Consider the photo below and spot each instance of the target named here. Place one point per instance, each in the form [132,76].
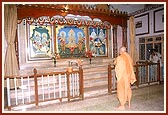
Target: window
[146,44]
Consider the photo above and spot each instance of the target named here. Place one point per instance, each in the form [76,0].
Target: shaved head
[122,49]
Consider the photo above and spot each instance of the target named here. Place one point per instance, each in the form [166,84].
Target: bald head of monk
[122,49]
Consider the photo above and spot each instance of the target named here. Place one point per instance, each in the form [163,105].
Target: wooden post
[68,85]
[81,82]
[36,86]
[109,79]
[124,37]
[9,108]
[158,70]
[87,40]
[8,94]
[147,75]
[137,82]
[115,45]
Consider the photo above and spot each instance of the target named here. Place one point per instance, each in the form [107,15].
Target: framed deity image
[142,24]
[98,41]
[39,42]
[71,41]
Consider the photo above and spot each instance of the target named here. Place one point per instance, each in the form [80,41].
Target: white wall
[158,25]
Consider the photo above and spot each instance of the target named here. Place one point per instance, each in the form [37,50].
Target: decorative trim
[147,32]
[156,31]
[145,9]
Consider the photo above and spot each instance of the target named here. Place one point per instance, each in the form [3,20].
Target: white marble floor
[145,99]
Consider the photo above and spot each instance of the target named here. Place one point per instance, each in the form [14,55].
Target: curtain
[133,53]
[10,26]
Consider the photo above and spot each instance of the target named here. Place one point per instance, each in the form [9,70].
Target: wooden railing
[146,73]
[45,87]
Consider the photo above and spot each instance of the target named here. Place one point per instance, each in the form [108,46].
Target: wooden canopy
[101,11]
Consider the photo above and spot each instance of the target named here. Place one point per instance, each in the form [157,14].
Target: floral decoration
[55,56]
[89,54]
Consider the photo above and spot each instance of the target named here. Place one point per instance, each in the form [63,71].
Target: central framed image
[71,41]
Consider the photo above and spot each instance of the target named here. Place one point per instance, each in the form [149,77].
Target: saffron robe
[125,77]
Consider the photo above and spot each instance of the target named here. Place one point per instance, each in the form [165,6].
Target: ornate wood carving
[101,11]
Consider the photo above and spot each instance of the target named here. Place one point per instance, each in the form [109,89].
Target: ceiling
[124,7]
[129,8]
[106,12]
[71,14]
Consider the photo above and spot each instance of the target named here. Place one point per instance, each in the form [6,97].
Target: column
[115,41]
[124,36]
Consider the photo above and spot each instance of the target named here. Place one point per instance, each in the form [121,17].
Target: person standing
[125,78]
[154,58]
[161,64]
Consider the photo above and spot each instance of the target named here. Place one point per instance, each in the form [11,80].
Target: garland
[70,21]
[41,21]
[60,21]
[101,25]
[87,23]
[29,20]
[52,21]
[79,23]
[108,26]
[19,21]
[94,24]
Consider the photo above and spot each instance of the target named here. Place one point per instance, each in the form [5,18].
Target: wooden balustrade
[56,85]
[44,87]
[143,72]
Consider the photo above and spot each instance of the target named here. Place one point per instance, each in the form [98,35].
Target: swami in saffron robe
[125,77]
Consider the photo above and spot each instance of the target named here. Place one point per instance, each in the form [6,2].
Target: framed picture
[158,20]
[39,42]
[98,41]
[71,41]
[138,24]
[142,24]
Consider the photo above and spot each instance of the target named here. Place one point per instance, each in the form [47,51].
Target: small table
[71,62]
